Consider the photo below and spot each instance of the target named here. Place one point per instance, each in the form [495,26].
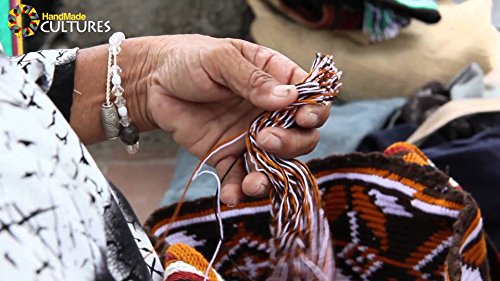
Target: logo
[32,25]
[47,22]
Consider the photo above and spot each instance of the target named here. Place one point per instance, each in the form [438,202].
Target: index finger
[283,69]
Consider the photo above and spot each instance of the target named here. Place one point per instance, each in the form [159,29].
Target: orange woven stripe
[370,213]
[395,177]
[378,172]
[438,201]
[415,159]
[405,146]
[185,253]
[187,216]
[378,257]
[433,242]
[335,203]
[471,227]
[476,254]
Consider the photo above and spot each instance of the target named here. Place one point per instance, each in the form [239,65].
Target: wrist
[90,79]
[138,60]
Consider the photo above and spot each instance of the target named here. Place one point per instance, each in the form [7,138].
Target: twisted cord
[301,247]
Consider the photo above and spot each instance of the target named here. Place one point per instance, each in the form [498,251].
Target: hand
[206,90]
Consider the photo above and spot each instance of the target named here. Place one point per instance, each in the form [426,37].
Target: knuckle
[258,78]
[219,51]
[314,139]
[260,52]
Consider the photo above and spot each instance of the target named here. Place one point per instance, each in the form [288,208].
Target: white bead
[116,80]
[120,36]
[132,149]
[115,49]
[117,90]
[124,121]
[116,69]
[113,40]
[116,38]
[120,101]
[122,111]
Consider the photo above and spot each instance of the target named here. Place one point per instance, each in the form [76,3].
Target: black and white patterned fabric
[60,219]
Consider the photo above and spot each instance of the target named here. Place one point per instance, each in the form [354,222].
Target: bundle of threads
[301,248]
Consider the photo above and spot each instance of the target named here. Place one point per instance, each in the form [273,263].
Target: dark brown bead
[129,135]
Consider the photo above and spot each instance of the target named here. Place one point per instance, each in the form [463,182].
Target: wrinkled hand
[206,90]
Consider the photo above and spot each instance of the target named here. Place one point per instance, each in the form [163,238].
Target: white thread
[219,221]
[197,173]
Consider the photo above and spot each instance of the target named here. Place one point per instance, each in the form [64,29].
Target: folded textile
[467,84]
[379,19]
[457,115]
[378,206]
[392,68]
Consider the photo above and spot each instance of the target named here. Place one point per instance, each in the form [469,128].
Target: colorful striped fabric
[392,216]
[185,263]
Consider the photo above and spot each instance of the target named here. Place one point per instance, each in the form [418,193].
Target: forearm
[136,62]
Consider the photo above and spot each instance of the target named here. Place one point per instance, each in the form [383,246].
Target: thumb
[251,82]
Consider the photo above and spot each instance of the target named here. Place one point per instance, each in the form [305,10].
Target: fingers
[232,177]
[313,116]
[255,85]
[288,143]
[283,69]
[258,74]
[236,183]
[285,143]
[255,184]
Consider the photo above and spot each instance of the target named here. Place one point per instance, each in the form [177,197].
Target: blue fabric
[496,13]
[347,126]
[350,123]
[380,140]
[475,164]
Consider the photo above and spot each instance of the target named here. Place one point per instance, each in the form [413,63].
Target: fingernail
[232,204]
[272,142]
[312,118]
[282,91]
[259,190]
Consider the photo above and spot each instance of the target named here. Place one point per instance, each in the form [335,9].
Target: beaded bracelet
[115,120]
